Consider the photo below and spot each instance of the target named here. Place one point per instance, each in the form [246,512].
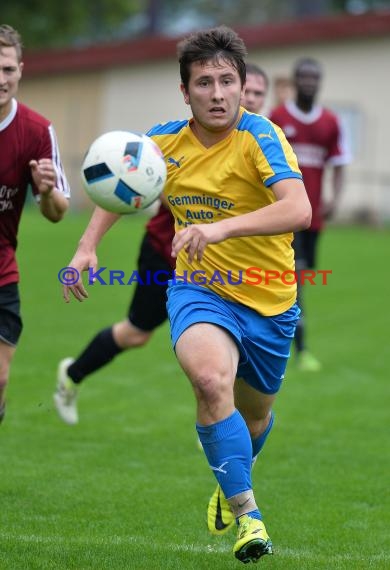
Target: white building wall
[139,97]
[356,83]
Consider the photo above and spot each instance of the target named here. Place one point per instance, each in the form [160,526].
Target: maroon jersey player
[29,157]
[317,138]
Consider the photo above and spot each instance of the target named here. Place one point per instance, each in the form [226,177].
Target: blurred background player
[147,309]
[316,136]
[29,156]
[256,88]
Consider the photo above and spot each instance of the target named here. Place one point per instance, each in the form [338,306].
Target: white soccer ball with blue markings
[123,172]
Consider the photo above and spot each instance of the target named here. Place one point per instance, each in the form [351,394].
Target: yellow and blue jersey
[231,178]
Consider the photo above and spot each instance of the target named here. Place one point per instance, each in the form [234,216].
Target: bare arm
[53,203]
[85,256]
[291,212]
[329,209]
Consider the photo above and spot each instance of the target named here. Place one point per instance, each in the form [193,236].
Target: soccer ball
[123,172]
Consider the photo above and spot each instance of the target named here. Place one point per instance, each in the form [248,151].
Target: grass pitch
[127,488]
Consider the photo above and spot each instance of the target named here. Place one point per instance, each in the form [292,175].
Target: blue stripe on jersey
[270,144]
[253,123]
[282,176]
[170,128]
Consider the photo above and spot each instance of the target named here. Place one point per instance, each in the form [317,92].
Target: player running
[29,156]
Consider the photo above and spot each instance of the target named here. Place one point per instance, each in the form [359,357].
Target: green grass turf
[127,488]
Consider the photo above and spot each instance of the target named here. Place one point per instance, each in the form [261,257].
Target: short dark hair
[255,69]
[11,38]
[212,44]
[307,61]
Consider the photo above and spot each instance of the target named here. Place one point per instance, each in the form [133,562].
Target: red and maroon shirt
[317,139]
[161,230]
[24,135]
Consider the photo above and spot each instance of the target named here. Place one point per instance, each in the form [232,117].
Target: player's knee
[127,335]
[136,339]
[211,385]
[258,423]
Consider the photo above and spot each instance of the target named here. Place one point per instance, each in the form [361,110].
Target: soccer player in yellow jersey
[236,194]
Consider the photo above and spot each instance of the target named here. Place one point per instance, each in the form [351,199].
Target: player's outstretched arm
[85,256]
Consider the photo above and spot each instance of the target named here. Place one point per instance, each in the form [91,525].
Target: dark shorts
[148,308]
[305,248]
[10,321]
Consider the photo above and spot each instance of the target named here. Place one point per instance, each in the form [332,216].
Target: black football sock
[100,351]
[299,339]
[2,411]
[299,336]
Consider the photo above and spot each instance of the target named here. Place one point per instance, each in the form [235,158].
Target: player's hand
[194,239]
[328,209]
[44,175]
[81,262]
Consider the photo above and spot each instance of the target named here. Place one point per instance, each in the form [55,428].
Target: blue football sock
[258,443]
[253,515]
[228,448]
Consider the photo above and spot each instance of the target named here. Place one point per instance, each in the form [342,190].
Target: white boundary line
[198,548]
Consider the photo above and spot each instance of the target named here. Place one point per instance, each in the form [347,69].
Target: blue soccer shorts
[263,342]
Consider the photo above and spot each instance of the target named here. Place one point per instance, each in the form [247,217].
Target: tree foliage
[44,23]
